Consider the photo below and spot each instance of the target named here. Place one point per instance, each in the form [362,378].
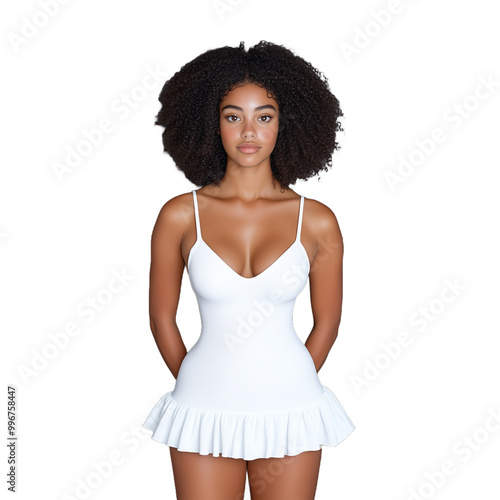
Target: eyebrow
[258,108]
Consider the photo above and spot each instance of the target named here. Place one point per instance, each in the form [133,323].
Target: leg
[287,478]
[205,477]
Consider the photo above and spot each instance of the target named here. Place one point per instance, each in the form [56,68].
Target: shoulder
[176,214]
[321,222]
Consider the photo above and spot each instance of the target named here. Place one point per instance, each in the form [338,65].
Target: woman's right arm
[167,267]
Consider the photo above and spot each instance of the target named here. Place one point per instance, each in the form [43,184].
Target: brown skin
[249,223]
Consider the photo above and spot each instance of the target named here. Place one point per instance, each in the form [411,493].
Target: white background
[408,73]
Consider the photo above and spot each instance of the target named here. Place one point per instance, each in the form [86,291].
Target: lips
[248,147]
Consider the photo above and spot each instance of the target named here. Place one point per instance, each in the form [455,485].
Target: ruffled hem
[251,435]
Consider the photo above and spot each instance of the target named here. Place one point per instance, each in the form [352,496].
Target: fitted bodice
[244,319]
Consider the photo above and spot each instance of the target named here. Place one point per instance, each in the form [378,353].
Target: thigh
[205,477]
[287,478]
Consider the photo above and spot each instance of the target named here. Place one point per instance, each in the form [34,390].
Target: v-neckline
[248,278]
[200,240]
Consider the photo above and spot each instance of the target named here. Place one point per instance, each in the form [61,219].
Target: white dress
[248,388]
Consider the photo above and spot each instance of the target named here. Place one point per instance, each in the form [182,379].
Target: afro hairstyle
[308,112]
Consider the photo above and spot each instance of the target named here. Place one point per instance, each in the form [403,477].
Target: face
[249,121]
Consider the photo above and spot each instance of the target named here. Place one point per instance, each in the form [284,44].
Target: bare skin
[249,223]
[205,477]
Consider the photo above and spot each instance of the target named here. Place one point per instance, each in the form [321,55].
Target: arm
[325,281]
[167,267]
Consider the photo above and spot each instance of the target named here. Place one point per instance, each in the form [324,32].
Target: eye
[269,118]
[231,116]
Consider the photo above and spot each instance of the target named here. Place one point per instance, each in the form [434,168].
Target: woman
[247,397]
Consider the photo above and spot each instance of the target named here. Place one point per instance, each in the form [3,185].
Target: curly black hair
[308,112]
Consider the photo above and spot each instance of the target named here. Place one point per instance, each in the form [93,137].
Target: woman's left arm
[325,281]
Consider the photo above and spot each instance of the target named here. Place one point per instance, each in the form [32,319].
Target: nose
[248,130]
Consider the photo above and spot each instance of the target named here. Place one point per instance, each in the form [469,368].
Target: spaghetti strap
[196,216]
[301,212]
